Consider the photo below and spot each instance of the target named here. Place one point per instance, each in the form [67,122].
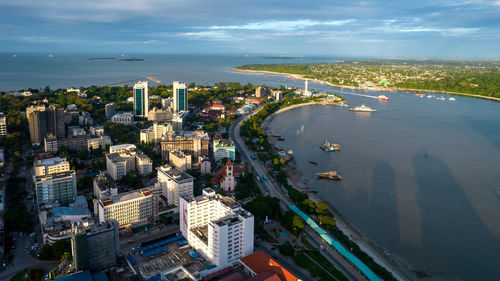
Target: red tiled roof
[265,276]
[218,105]
[262,262]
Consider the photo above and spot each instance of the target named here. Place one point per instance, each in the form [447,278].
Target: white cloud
[282,25]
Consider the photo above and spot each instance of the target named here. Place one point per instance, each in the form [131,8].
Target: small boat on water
[327,146]
[431,96]
[420,95]
[313,163]
[382,97]
[452,98]
[342,105]
[362,108]
[332,175]
[440,98]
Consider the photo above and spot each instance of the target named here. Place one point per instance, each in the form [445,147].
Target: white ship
[362,108]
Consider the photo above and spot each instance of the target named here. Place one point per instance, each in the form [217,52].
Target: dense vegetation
[469,77]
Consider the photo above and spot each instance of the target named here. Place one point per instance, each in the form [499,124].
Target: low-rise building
[217,227]
[224,149]
[160,114]
[99,142]
[124,158]
[155,133]
[226,178]
[56,221]
[116,165]
[125,118]
[180,160]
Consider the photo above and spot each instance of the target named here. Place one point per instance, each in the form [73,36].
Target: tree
[327,221]
[321,208]
[287,249]
[292,222]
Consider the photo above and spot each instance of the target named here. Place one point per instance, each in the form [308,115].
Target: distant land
[131,59]
[101,58]
[471,77]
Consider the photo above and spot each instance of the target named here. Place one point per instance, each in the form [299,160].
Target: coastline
[375,89]
[392,263]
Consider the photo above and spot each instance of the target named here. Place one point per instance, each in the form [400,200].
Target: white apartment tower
[141,98]
[174,183]
[180,93]
[54,181]
[217,227]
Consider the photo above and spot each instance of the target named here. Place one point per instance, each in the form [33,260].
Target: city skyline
[346,28]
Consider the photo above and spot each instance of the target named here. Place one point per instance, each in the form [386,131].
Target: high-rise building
[175,183]
[180,94]
[3,125]
[110,110]
[124,158]
[95,247]
[43,121]
[54,181]
[141,99]
[261,92]
[217,227]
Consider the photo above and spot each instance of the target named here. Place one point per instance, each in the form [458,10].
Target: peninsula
[464,77]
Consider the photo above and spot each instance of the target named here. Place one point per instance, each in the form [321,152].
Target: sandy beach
[391,262]
[375,89]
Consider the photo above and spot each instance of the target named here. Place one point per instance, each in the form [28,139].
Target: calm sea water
[428,187]
[427,190]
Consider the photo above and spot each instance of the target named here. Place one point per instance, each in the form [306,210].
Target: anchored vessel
[382,97]
[327,146]
[362,108]
[332,175]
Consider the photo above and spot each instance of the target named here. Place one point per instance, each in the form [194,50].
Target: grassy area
[319,258]
[305,262]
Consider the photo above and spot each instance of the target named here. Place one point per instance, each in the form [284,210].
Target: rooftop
[115,157]
[261,262]
[126,196]
[174,173]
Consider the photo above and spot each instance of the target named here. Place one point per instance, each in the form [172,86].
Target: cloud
[283,25]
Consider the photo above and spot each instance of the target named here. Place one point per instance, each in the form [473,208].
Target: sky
[391,28]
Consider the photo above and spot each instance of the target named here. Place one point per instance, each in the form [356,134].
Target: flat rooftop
[115,157]
[175,173]
[131,195]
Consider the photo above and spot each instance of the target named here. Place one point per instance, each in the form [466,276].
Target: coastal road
[272,188]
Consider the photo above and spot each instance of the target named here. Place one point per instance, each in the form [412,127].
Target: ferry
[382,97]
[362,108]
[327,146]
[452,98]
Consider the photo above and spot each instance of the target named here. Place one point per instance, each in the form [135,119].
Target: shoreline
[375,89]
[396,265]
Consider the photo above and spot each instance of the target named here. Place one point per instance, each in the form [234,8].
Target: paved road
[273,190]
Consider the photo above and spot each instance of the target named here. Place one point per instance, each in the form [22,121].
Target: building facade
[100,142]
[128,208]
[46,120]
[3,125]
[180,160]
[110,110]
[217,227]
[95,247]
[141,99]
[180,95]
[125,118]
[195,144]
[54,181]
[224,149]
[155,133]
[174,183]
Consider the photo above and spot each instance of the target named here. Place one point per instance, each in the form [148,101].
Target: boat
[440,98]
[420,95]
[431,96]
[452,98]
[332,175]
[342,105]
[382,97]
[313,163]
[327,146]
[362,108]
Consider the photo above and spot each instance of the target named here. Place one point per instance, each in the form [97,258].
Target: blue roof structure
[131,260]
[80,200]
[154,252]
[80,276]
[154,278]
[194,254]
[335,244]
[70,211]
[158,244]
